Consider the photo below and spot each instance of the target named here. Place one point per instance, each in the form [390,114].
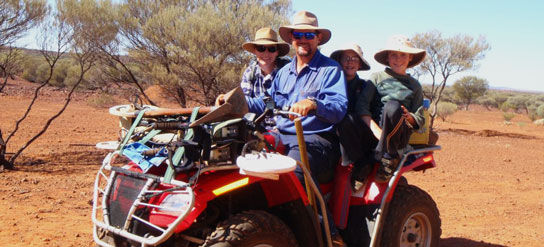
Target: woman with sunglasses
[258,76]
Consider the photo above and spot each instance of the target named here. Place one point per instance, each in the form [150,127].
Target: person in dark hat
[313,86]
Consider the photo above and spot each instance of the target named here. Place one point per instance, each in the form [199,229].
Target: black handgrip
[171,125]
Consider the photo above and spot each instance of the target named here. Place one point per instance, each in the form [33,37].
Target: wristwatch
[313,99]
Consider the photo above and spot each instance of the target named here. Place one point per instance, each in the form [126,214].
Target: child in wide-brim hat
[402,99]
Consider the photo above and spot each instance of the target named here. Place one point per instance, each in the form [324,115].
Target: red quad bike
[215,177]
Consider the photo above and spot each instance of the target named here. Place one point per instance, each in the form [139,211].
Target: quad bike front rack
[101,211]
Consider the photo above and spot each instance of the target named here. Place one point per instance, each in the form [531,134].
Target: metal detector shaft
[304,158]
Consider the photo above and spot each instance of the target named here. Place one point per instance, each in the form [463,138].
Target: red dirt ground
[489,183]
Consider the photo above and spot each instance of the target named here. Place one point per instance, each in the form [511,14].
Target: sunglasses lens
[262,48]
[308,36]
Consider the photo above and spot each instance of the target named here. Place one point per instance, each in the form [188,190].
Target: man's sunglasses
[308,35]
[262,48]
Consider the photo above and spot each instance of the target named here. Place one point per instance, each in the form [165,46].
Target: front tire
[412,219]
[251,229]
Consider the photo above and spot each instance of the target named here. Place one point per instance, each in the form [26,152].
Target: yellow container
[421,136]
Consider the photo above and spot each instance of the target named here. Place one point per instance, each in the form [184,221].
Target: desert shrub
[540,111]
[102,100]
[506,106]
[532,112]
[500,98]
[446,109]
[539,122]
[519,103]
[508,116]
[487,102]
[72,77]
[30,65]
[60,72]
[42,72]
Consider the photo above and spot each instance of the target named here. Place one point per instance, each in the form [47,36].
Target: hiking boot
[386,169]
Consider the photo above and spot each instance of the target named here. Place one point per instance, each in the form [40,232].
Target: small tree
[446,57]
[519,103]
[16,18]
[469,88]
[58,39]
[487,102]
[500,99]
[446,109]
[10,64]
[194,47]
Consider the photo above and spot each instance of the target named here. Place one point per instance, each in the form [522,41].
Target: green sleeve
[417,104]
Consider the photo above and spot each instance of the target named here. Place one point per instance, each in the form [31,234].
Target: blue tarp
[133,151]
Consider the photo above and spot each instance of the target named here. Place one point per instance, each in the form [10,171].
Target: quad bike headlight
[175,203]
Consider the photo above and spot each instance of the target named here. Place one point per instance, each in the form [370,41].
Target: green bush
[487,102]
[532,112]
[508,116]
[42,72]
[72,77]
[540,111]
[101,100]
[60,73]
[539,122]
[446,109]
[30,65]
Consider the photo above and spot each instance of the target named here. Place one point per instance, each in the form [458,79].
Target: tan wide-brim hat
[266,36]
[337,55]
[304,20]
[403,44]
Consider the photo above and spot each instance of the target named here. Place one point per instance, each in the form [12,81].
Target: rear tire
[251,229]
[412,219]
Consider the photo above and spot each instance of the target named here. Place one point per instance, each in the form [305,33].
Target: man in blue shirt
[312,85]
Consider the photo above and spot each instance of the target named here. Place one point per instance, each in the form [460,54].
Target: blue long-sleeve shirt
[322,79]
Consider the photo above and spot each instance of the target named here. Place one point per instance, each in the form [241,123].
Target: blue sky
[514,30]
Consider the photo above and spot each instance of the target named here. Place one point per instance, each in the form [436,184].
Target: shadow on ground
[463,242]
[64,162]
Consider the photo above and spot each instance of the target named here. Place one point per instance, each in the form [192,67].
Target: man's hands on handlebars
[303,107]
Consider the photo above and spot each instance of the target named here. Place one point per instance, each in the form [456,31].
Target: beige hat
[400,43]
[266,36]
[304,20]
[363,65]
